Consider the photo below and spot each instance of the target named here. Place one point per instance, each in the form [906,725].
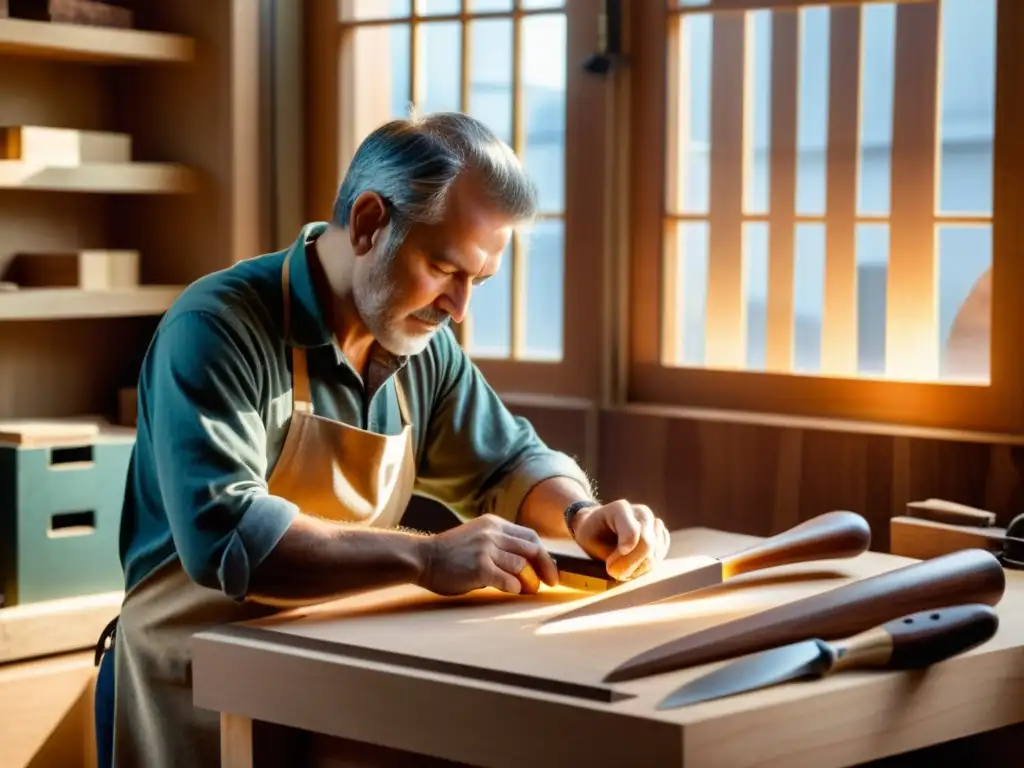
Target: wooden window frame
[579,372]
[998,407]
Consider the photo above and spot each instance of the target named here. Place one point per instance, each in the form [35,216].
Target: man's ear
[368,217]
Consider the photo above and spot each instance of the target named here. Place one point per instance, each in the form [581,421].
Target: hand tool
[831,535]
[967,576]
[909,642]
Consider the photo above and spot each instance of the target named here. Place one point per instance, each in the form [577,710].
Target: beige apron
[329,469]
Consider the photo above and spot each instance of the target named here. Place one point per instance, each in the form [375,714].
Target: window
[396,56]
[814,187]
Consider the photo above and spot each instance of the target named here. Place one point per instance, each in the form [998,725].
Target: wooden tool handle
[825,537]
[920,639]
[967,576]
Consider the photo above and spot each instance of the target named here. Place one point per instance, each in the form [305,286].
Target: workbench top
[486,687]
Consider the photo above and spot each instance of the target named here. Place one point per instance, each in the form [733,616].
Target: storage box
[90,12]
[61,493]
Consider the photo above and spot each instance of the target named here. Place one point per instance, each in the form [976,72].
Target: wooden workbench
[316,675]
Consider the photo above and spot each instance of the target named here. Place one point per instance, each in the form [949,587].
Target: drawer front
[68,520]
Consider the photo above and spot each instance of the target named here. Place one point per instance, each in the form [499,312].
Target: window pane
[532,4]
[439,7]
[490,307]
[378,93]
[965,261]
[967,98]
[812,110]
[808,296]
[490,77]
[878,80]
[691,291]
[758,113]
[693,118]
[872,252]
[543,81]
[440,59]
[544,290]
[353,10]
[485,6]
[755,266]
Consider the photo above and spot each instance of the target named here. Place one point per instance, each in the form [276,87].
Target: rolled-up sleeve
[210,450]
[478,457]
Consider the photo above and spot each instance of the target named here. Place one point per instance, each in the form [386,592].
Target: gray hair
[412,164]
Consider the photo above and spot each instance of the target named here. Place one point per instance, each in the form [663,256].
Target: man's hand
[486,552]
[628,537]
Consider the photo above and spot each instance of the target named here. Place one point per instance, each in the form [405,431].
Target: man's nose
[457,301]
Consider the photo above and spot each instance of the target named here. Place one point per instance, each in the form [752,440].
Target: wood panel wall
[761,475]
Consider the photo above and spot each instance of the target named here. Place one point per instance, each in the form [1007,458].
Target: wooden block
[91,270]
[64,147]
[924,539]
[942,511]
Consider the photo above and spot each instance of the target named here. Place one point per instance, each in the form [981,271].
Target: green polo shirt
[215,398]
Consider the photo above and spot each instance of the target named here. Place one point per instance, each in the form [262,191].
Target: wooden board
[340,670]
[56,626]
[75,42]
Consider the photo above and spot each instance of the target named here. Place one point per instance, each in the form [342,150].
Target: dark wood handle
[929,637]
[967,576]
[825,537]
[920,639]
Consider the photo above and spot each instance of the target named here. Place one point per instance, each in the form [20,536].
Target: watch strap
[572,509]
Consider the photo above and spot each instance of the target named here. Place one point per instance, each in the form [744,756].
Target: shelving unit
[184,85]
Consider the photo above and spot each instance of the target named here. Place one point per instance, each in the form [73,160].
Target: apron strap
[403,405]
[301,399]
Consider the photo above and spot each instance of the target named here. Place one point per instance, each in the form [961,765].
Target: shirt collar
[307,327]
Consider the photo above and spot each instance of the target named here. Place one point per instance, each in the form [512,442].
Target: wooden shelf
[128,178]
[73,42]
[65,303]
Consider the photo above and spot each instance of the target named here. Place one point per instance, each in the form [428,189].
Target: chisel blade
[762,670]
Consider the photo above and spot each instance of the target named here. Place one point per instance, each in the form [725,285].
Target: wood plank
[55,626]
[128,178]
[293,669]
[76,42]
[67,303]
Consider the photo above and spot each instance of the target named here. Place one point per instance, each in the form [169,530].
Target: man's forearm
[317,560]
[543,509]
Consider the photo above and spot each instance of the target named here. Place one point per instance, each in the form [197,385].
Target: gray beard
[373,305]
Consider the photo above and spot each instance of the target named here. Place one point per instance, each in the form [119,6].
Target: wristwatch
[572,509]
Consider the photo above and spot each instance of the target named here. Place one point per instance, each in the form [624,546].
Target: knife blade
[909,642]
[837,534]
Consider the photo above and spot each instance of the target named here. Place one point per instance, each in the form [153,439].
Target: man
[291,404]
